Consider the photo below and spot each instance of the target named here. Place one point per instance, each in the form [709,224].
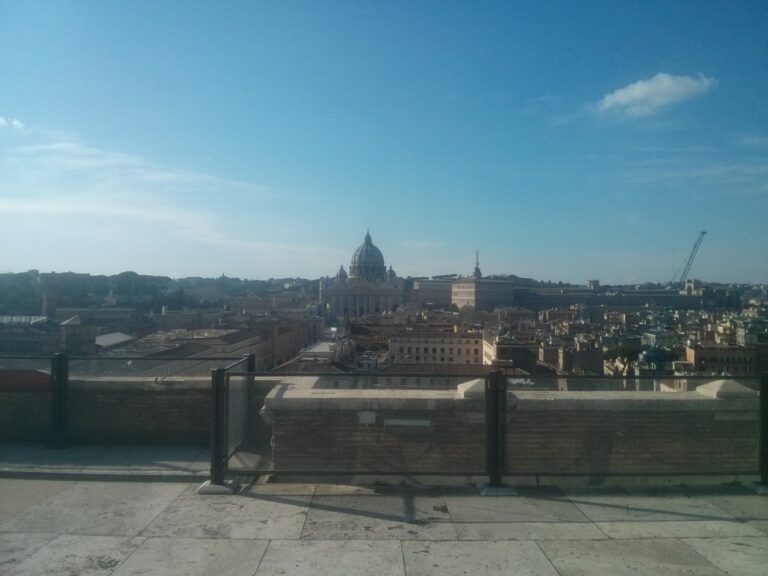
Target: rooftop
[75,526]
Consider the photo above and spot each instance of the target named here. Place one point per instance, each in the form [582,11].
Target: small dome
[341,274]
[368,262]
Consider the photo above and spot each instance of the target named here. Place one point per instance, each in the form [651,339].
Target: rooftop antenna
[477,273]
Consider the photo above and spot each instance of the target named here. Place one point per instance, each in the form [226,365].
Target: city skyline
[563,142]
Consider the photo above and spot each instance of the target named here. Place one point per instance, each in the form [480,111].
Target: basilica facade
[369,288]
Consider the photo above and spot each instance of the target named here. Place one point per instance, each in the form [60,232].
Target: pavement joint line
[144,540]
[538,545]
[402,556]
[707,560]
[141,532]
[306,515]
[263,554]
[450,517]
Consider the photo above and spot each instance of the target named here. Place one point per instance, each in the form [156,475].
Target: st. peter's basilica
[369,288]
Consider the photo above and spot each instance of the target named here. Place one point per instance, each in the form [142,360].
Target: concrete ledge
[628,401]
[105,476]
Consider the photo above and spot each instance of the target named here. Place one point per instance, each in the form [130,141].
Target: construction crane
[687,269]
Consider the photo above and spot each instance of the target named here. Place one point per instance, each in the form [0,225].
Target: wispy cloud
[647,97]
[108,203]
[71,159]
[12,122]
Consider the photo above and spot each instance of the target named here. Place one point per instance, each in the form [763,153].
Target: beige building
[369,288]
[482,293]
[437,349]
[719,359]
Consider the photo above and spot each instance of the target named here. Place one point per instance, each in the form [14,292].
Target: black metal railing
[244,440]
[230,461]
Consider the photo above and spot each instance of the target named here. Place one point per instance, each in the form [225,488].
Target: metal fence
[371,434]
[247,440]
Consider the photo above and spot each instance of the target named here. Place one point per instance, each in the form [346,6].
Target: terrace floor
[97,527]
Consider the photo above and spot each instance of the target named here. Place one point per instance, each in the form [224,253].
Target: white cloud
[647,97]
[12,122]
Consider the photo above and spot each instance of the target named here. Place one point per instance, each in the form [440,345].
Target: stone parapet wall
[113,410]
[631,433]
[548,433]
[127,411]
[24,415]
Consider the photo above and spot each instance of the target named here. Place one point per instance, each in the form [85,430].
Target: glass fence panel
[151,368]
[600,426]
[22,363]
[360,424]
[237,411]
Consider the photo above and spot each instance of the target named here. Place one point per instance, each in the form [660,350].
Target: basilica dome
[368,262]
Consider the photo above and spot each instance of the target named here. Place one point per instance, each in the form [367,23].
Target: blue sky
[564,140]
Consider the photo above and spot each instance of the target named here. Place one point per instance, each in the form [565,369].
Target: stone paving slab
[735,501]
[531,505]
[242,515]
[626,557]
[528,531]
[98,508]
[319,557]
[761,525]
[379,517]
[17,494]
[194,556]
[14,548]
[78,556]
[734,556]
[486,558]
[644,505]
[678,529]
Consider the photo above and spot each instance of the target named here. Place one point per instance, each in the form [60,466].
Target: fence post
[492,461]
[218,425]
[764,430]
[501,424]
[59,385]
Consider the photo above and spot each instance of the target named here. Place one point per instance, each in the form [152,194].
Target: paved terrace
[75,527]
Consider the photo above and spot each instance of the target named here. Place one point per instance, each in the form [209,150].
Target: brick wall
[585,433]
[25,405]
[112,411]
[176,412]
[600,442]
[24,415]
[335,440]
